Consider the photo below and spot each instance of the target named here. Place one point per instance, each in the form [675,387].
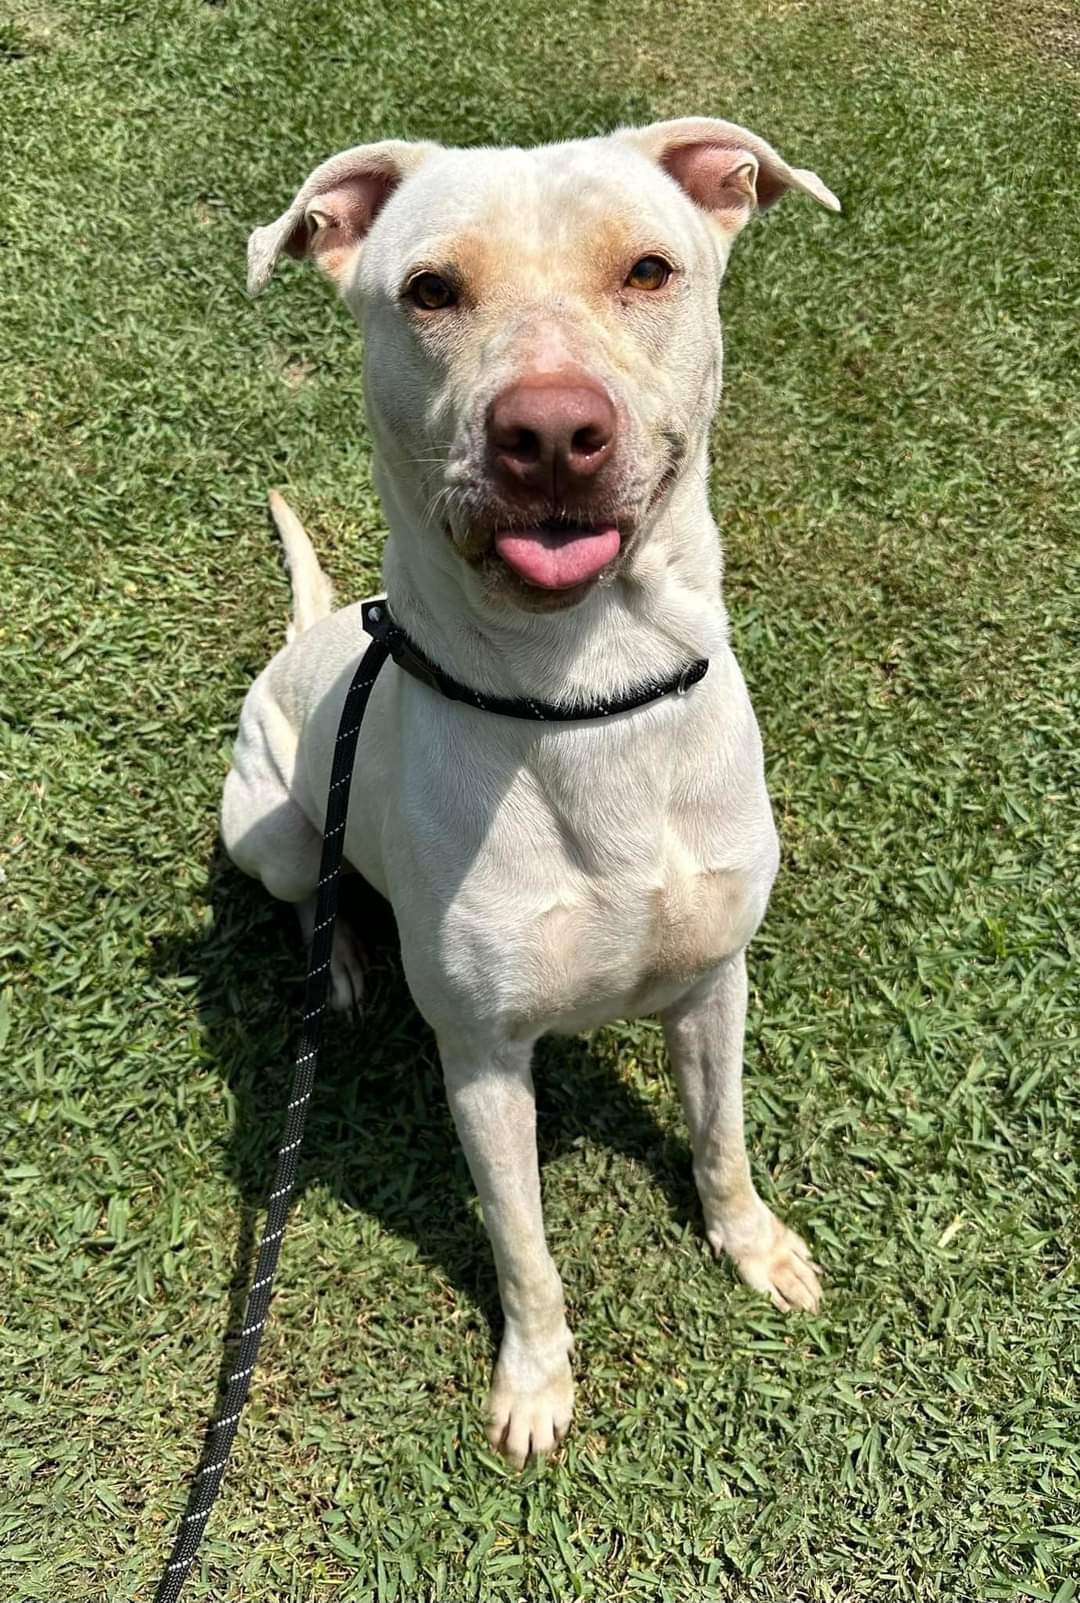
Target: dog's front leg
[704,1033]
[531,1398]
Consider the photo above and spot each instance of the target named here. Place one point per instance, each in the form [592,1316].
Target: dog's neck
[664,609]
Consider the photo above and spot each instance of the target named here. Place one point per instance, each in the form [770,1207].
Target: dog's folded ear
[726,170]
[333,210]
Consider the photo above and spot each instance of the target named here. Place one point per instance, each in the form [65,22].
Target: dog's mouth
[560,553]
[550,554]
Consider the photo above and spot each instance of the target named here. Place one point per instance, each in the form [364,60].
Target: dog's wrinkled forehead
[558,211]
[694,180]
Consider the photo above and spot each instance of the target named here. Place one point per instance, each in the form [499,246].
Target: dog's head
[542,339]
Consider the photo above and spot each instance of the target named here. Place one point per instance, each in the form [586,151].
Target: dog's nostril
[522,444]
[588,440]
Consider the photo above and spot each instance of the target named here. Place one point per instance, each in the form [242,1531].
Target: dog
[542,361]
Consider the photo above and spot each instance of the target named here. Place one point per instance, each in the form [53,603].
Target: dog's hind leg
[346,969]
[268,836]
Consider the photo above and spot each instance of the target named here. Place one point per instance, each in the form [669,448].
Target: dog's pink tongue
[557,559]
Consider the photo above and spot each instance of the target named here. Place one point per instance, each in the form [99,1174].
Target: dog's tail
[313,595]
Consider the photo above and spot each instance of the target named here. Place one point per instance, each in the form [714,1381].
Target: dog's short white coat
[542,878]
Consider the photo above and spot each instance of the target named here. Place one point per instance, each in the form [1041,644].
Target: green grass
[898,482]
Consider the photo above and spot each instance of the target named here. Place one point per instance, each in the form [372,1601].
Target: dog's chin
[504,587]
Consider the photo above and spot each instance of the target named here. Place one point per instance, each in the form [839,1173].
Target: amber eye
[430,292]
[651,272]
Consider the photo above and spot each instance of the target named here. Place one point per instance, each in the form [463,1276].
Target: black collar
[379,623]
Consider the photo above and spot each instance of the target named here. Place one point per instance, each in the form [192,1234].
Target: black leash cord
[222,1433]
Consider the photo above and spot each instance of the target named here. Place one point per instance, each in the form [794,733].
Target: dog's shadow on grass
[379,1132]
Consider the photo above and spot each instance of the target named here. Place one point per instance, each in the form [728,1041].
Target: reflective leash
[222,1433]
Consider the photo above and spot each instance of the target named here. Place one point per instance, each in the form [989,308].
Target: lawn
[897,479]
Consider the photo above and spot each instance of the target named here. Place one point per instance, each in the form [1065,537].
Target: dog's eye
[430,292]
[651,272]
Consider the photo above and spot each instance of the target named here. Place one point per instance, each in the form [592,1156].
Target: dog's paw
[771,1259]
[530,1404]
[346,972]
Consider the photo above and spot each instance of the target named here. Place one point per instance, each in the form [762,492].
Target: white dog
[542,358]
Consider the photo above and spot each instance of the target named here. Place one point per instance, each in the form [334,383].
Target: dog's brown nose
[551,432]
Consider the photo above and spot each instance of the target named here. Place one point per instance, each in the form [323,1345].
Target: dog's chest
[563,939]
[590,876]
[629,946]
